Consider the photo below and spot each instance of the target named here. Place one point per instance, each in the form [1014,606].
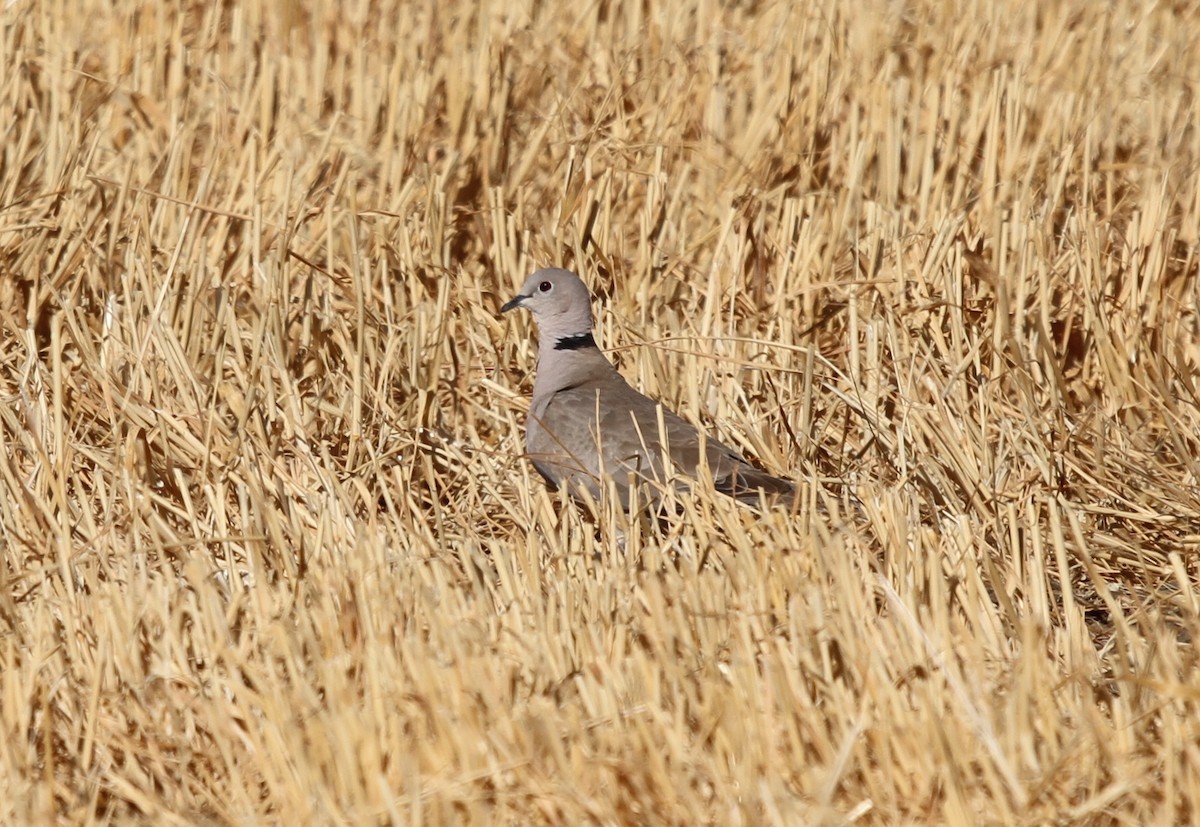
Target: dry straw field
[270,551]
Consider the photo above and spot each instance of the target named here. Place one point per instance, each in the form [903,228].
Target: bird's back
[601,427]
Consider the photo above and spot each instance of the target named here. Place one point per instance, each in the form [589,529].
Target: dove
[587,425]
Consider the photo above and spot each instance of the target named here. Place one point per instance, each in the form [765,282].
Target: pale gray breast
[560,438]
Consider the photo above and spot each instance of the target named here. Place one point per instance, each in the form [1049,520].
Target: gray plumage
[586,423]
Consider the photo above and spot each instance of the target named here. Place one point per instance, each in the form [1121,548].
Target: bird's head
[560,304]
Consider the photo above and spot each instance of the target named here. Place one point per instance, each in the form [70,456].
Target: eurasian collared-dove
[586,423]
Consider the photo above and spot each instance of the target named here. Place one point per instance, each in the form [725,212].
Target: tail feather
[750,485]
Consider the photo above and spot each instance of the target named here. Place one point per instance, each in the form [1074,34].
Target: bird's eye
[545,287]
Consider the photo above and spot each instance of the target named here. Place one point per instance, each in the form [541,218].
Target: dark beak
[512,303]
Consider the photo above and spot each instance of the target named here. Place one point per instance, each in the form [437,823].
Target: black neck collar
[575,342]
